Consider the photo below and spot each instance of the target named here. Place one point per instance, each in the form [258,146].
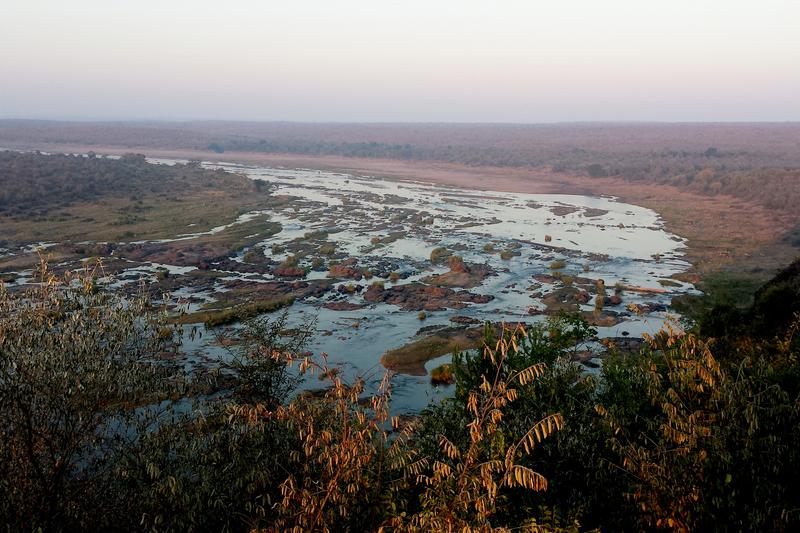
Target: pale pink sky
[427,61]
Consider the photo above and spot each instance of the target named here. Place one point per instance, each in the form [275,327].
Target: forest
[700,430]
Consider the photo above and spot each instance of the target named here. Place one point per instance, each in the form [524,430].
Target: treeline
[99,431]
[32,181]
[755,162]
[748,175]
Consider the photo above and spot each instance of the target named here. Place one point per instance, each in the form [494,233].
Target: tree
[596,170]
[74,362]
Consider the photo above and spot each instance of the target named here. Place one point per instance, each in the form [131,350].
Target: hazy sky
[347,60]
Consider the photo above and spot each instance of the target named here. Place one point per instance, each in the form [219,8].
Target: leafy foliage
[709,447]
[77,369]
[100,431]
[467,485]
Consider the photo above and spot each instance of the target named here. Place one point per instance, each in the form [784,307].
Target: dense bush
[31,182]
[78,372]
[100,432]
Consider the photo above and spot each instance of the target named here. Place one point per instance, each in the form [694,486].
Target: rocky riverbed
[383,266]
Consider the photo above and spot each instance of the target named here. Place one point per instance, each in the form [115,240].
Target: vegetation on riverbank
[729,189]
[60,198]
[748,161]
[98,430]
[239,313]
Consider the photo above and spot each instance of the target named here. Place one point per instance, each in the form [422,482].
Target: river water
[597,238]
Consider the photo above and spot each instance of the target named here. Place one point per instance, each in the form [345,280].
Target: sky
[404,61]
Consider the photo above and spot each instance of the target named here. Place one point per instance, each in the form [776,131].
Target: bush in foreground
[99,431]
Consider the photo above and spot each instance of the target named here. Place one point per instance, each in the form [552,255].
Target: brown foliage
[348,459]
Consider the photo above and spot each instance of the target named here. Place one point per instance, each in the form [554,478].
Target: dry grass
[411,358]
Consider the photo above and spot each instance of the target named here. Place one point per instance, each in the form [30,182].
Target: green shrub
[439,255]
[291,261]
[443,375]
[328,248]
[74,362]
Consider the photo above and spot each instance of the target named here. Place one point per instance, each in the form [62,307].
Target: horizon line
[390,122]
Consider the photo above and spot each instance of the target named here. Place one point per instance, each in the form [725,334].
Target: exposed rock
[562,210]
[229,265]
[604,318]
[346,269]
[289,272]
[275,289]
[582,297]
[623,345]
[349,289]
[648,307]
[343,306]
[546,278]
[419,297]
[645,290]
[590,212]
[567,299]
[464,320]
[467,275]
[180,253]
[411,358]
[457,265]
[247,298]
